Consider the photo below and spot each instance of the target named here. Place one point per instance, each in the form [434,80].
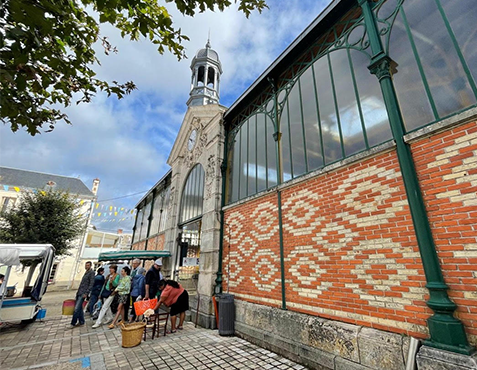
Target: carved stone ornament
[210,176]
[191,157]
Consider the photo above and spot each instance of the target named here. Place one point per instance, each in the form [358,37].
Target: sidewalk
[50,345]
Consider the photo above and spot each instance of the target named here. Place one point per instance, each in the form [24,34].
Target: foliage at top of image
[47,55]
[44,217]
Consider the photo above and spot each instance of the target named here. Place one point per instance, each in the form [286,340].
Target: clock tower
[192,233]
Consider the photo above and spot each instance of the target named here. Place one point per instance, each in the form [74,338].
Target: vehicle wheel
[29,321]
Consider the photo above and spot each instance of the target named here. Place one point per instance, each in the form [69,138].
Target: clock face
[192,139]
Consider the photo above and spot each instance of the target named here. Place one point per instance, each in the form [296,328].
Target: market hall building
[336,199]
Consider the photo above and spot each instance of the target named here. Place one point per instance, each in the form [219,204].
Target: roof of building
[39,180]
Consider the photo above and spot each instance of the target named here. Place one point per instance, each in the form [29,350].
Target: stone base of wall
[206,317]
[320,343]
[429,358]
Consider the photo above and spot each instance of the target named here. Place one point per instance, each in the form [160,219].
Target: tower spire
[206,70]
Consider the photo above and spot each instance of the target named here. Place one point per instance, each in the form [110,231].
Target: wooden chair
[151,324]
[162,317]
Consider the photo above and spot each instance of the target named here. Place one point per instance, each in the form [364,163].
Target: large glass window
[252,158]
[193,194]
[145,218]
[331,107]
[431,42]
[159,213]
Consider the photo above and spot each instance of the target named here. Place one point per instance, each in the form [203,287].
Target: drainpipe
[446,331]
[150,218]
[223,170]
[277,137]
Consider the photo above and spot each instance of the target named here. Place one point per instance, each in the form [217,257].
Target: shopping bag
[141,306]
[96,310]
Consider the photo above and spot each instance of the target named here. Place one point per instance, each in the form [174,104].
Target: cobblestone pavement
[52,345]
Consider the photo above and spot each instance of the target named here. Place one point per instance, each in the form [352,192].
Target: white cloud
[126,143]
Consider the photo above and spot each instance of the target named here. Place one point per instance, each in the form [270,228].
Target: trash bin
[226,314]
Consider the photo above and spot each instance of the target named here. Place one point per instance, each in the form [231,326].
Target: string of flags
[101,212]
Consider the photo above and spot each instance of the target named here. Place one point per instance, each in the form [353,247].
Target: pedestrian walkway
[50,345]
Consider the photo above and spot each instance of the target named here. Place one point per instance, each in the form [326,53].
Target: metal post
[277,136]
[446,331]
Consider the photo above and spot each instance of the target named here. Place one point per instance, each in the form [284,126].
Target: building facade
[346,221]
[66,270]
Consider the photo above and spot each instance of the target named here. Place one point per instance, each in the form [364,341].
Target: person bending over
[174,296]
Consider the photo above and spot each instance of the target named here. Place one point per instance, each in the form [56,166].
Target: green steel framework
[446,331]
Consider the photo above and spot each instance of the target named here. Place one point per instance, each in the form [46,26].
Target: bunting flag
[97,205]
[17,189]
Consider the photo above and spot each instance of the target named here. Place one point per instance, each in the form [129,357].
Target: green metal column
[277,136]
[223,169]
[134,229]
[446,331]
[150,217]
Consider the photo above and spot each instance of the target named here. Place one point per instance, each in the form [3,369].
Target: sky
[125,143]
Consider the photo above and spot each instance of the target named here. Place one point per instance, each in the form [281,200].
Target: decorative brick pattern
[349,242]
[447,168]
[251,250]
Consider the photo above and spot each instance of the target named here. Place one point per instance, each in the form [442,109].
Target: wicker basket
[132,334]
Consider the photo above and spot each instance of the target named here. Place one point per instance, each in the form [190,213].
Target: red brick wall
[447,167]
[349,243]
[155,243]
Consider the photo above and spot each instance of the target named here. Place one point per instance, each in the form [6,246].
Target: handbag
[141,306]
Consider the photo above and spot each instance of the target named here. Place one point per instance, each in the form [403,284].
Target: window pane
[234,181]
[415,107]
[329,123]
[296,131]
[446,77]
[462,17]
[243,160]
[285,143]
[252,156]
[193,194]
[261,153]
[271,154]
[310,119]
[374,111]
[165,206]
[350,120]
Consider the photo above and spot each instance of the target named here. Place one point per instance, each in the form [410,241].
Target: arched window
[201,76]
[192,195]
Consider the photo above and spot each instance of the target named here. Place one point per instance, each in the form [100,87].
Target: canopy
[24,252]
[129,255]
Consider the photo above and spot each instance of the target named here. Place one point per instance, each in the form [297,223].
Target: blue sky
[126,143]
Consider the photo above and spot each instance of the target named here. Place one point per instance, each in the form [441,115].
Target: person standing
[96,290]
[83,291]
[122,291]
[174,296]
[111,283]
[138,289]
[135,266]
[153,277]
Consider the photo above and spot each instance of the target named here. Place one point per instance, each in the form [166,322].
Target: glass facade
[192,195]
[158,200]
[327,106]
